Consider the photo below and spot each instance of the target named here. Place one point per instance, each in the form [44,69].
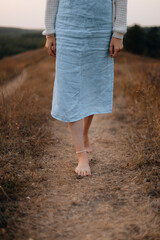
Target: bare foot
[83,168]
[87,144]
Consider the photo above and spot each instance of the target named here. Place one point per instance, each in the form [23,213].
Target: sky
[30,13]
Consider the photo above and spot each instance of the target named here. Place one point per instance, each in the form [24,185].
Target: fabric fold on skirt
[84,71]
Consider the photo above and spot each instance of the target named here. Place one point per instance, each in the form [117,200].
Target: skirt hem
[58,117]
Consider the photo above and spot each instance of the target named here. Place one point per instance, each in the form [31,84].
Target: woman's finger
[115,52]
[111,49]
[54,49]
[50,51]
[51,47]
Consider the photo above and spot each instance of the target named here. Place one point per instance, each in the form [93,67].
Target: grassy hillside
[138,40]
[25,134]
[12,66]
[16,40]
[12,31]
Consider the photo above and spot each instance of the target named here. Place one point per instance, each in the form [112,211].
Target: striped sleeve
[120,23]
[50,15]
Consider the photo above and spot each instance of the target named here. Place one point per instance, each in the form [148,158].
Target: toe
[81,173]
[86,173]
[77,171]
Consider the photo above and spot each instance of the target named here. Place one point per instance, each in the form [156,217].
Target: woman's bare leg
[76,129]
[86,124]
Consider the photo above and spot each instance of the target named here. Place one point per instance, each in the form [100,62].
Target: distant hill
[139,40]
[17,40]
[9,31]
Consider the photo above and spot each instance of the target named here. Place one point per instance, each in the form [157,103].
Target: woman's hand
[51,45]
[116,45]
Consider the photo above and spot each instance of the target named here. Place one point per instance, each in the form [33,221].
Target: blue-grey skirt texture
[84,71]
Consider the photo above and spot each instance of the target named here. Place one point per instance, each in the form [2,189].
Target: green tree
[134,40]
[153,42]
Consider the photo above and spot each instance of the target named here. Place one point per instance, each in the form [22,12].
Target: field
[41,196]
[18,40]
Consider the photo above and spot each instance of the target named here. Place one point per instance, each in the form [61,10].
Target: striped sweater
[119,17]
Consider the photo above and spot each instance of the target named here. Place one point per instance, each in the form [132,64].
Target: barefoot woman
[85,36]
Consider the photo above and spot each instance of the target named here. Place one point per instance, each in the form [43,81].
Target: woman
[85,36]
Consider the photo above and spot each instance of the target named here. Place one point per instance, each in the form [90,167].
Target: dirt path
[108,205]
[10,87]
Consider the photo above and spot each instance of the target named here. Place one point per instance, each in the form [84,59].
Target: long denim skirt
[84,71]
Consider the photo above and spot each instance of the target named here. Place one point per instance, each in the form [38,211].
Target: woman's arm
[120,23]
[119,27]
[50,15]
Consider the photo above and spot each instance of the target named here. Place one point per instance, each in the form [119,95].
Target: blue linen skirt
[84,71]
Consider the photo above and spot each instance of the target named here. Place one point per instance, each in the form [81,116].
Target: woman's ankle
[82,156]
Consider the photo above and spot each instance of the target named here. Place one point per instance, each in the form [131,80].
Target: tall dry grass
[12,66]
[24,135]
[138,80]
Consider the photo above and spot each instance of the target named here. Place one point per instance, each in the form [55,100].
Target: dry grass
[25,133]
[13,66]
[23,118]
[138,79]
